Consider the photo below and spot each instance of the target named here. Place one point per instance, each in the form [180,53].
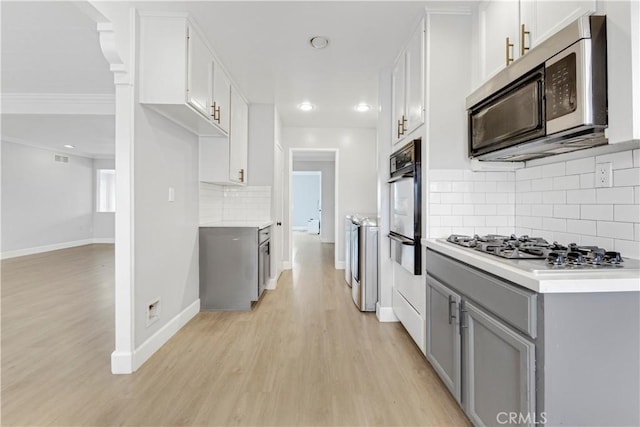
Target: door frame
[336,196]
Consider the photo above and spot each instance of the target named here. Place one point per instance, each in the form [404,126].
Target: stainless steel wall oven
[406,206]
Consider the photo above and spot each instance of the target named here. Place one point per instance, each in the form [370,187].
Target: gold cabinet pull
[404,124]
[213,109]
[508,47]
[217,115]
[399,129]
[241,175]
[523,34]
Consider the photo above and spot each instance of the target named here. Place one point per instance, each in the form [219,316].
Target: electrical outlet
[153,311]
[603,175]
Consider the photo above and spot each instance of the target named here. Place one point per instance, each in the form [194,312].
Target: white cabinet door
[238,139]
[542,19]
[415,80]
[398,96]
[497,21]
[198,73]
[221,98]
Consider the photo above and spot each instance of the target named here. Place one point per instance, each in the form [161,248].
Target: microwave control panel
[560,87]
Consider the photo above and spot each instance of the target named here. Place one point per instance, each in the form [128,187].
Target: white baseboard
[121,363]
[273,283]
[385,314]
[286,265]
[111,240]
[53,247]
[157,340]
[339,265]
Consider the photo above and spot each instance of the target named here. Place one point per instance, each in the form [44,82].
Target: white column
[122,356]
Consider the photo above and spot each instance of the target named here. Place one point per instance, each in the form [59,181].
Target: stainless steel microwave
[552,100]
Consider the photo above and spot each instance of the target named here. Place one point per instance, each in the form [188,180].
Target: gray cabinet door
[499,366]
[443,334]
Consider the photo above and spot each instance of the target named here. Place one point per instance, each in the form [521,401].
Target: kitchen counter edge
[555,282]
[237,224]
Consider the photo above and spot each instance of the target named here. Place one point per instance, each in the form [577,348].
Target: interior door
[278,213]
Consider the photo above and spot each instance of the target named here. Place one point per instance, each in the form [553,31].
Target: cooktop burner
[555,255]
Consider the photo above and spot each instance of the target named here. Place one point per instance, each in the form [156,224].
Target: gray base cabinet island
[512,356]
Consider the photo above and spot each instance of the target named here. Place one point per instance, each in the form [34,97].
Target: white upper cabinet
[408,87]
[508,29]
[199,60]
[415,80]
[238,139]
[221,98]
[178,74]
[498,27]
[398,107]
[223,160]
[542,19]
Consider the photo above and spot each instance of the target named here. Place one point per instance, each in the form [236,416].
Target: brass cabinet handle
[404,124]
[508,46]
[399,129]
[213,109]
[523,34]
[218,115]
[241,175]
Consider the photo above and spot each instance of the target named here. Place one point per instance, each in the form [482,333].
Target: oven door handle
[401,239]
[399,177]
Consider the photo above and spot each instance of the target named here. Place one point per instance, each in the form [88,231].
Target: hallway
[303,356]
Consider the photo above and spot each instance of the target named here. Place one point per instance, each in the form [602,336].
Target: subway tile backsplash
[226,203]
[558,201]
[466,202]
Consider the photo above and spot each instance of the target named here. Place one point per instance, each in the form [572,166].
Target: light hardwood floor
[304,357]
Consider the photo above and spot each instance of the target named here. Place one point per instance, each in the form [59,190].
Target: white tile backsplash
[581,166]
[626,177]
[621,160]
[557,201]
[222,203]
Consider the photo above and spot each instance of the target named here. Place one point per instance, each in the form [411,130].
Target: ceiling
[53,47]
[314,156]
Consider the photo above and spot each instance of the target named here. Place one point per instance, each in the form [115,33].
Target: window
[106,190]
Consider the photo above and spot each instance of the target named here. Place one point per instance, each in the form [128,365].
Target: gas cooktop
[536,254]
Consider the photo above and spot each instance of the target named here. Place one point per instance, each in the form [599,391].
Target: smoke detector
[319,42]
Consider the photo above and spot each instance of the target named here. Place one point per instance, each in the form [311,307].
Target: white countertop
[556,281]
[246,224]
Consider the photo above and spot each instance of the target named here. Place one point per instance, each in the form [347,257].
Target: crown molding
[58,103]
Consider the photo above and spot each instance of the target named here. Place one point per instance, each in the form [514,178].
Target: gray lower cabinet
[443,334]
[229,268]
[499,366]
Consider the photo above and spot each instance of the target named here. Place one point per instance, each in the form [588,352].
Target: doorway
[316,215]
[306,201]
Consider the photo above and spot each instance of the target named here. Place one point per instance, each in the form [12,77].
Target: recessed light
[363,108]
[69,146]
[319,42]
[306,106]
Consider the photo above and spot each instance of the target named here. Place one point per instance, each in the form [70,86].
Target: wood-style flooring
[303,357]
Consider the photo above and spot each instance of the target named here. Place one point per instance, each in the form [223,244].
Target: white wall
[306,199]
[44,202]
[261,143]
[356,170]
[328,169]
[165,233]
[104,224]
